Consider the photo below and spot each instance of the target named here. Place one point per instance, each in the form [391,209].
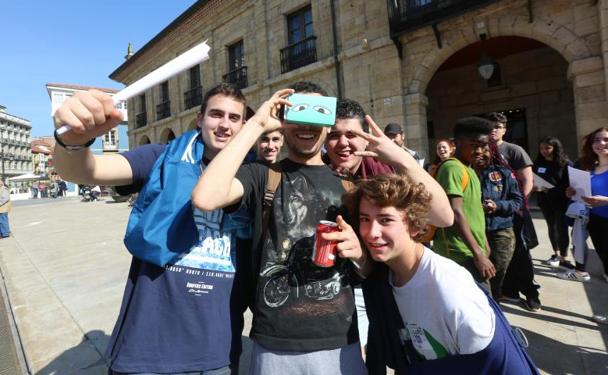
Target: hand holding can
[324,251]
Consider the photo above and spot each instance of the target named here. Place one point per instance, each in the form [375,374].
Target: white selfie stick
[186,60]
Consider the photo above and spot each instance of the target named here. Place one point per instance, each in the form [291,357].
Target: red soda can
[324,252]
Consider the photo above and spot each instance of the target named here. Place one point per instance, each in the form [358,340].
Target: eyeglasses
[499,127]
[599,140]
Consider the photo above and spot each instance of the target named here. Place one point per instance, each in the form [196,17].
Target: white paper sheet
[581,182]
[540,182]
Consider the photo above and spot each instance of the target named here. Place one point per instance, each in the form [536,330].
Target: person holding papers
[595,160]
[551,165]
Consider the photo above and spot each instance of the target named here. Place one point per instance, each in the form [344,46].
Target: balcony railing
[299,54]
[193,97]
[405,15]
[163,110]
[141,120]
[237,77]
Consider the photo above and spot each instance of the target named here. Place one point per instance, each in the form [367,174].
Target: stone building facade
[411,62]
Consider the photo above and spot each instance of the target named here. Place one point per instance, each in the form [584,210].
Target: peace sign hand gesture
[380,146]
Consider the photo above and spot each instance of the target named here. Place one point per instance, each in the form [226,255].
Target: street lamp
[486,65]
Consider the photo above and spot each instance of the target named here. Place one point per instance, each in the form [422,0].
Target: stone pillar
[415,123]
[602,8]
[589,85]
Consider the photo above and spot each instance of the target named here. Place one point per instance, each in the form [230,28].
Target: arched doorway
[582,64]
[166,136]
[144,140]
[530,86]
[191,125]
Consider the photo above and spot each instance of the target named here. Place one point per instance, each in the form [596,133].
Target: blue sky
[70,41]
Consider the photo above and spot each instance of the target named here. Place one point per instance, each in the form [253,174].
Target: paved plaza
[65,267]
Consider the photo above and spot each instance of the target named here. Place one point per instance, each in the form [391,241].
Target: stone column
[415,123]
[602,8]
[589,85]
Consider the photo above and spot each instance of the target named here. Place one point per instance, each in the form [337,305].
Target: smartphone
[312,110]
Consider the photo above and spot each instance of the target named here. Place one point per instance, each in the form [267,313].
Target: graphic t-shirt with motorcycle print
[298,305]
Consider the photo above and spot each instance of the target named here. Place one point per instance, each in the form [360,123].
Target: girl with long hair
[595,160]
[551,164]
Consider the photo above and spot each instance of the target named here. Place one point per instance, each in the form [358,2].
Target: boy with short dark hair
[465,242]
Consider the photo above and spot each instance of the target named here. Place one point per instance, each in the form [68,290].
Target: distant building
[117,139]
[15,154]
[42,160]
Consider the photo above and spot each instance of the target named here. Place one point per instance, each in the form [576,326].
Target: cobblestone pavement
[65,268]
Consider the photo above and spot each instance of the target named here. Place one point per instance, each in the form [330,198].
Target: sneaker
[553,261]
[574,276]
[532,304]
[566,264]
[509,299]
[600,318]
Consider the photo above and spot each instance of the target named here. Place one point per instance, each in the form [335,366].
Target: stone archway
[560,38]
[167,135]
[580,59]
[191,125]
[144,140]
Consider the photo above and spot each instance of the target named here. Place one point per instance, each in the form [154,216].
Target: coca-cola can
[324,252]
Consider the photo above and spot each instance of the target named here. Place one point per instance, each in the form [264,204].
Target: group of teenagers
[254,231]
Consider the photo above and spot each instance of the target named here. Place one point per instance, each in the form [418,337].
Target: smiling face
[600,144]
[222,119]
[444,150]
[304,142]
[342,143]
[471,150]
[269,145]
[384,231]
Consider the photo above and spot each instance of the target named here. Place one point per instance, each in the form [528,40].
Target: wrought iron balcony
[141,120]
[299,54]
[237,77]
[193,97]
[405,15]
[163,110]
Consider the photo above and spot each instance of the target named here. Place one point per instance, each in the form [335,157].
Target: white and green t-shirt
[443,309]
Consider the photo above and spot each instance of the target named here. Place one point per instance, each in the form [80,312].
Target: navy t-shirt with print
[182,317]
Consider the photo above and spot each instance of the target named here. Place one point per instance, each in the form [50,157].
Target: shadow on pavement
[534,315]
[83,358]
[544,351]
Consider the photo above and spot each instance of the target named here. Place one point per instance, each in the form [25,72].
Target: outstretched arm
[381,147]
[89,115]
[218,187]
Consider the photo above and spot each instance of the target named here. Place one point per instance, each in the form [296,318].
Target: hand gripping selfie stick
[186,60]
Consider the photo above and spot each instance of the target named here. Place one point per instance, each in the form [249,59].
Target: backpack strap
[465,174]
[273,179]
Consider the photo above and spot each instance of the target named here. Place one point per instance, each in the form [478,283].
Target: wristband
[71,147]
